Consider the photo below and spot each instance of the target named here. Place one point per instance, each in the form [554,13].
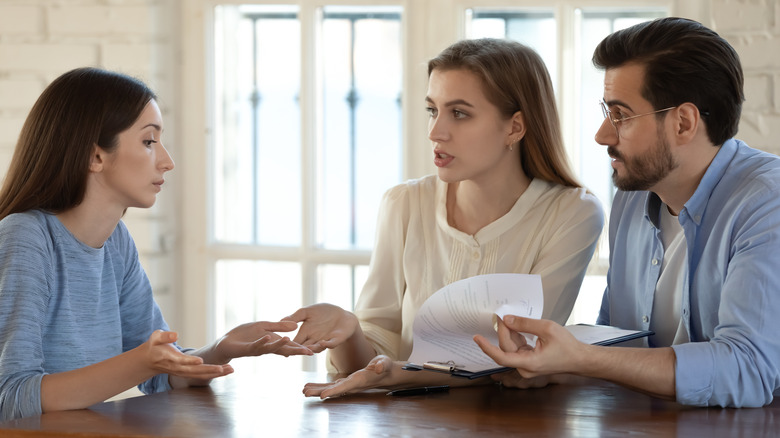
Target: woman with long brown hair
[78,322]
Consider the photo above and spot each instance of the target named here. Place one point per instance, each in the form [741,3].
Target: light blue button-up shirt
[731,299]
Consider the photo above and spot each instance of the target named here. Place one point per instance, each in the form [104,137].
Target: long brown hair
[515,78]
[78,110]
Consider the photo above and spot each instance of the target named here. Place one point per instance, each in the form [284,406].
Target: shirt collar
[694,208]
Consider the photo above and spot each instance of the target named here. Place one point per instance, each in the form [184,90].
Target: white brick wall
[41,39]
[753,28]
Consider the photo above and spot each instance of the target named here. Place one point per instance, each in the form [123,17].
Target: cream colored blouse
[551,230]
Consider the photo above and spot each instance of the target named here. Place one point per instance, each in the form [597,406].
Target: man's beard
[644,171]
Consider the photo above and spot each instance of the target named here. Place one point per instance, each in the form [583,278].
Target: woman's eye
[431,111]
[458,114]
[149,143]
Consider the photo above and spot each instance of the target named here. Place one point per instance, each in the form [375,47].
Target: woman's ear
[97,160]
[518,128]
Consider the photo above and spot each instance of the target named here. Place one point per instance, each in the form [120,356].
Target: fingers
[201,371]
[505,339]
[159,337]
[329,343]
[495,353]
[315,389]
[524,325]
[380,364]
[281,346]
[300,315]
[281,326]
[339,388]
[510,340]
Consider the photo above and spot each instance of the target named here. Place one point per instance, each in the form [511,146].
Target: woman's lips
[440,159]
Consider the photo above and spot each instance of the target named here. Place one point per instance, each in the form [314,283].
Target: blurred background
[289,119]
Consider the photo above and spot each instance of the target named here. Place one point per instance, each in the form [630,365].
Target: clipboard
[453,369]
[591,334]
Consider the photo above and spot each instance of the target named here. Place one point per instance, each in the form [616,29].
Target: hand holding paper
[448,320]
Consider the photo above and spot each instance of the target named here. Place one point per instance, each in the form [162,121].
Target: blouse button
[645,318]
[654,262]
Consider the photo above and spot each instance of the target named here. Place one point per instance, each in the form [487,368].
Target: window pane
[536,29]
[258,152]
[360,155]
[247,291]
[233,173]
[341,284]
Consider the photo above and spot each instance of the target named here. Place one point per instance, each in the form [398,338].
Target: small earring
[511,148]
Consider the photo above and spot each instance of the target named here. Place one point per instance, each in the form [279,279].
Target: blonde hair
[515,78]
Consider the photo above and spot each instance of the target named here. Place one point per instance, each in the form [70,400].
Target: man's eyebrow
[452,102]
[618,102]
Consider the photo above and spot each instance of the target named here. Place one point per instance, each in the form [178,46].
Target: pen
[421,390]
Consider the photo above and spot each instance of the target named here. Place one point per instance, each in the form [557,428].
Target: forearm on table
[354,354]
[648,370]
[83,387]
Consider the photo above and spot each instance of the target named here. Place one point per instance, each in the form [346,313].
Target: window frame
[424,35]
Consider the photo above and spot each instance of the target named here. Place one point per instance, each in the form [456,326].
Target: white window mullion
[311,129]
[567,81]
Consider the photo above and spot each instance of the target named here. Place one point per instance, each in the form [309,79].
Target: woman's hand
[377,374]
[324,326]
[258,338]
[164,358]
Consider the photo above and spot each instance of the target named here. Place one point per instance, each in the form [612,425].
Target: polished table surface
[245,405]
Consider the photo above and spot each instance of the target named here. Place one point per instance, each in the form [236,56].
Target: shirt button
[645,318]
[654,262]
[475,255]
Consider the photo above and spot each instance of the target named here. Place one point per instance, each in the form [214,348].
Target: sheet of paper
[448,320]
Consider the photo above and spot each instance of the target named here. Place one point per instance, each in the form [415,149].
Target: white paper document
[449,319]
[446,323]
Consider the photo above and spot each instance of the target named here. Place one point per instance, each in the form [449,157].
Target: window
[310,127]
[278,218]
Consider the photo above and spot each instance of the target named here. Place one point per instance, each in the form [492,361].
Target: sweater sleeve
[139,312]
[24,298]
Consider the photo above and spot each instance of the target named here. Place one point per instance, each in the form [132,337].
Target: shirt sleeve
[564,257]
[24,297]
[379,307]
[738,366]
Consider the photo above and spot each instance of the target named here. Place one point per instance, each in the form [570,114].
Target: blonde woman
[504,201]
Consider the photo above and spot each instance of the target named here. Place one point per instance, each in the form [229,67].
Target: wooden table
[244,405]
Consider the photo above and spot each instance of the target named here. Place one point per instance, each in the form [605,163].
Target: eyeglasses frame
[617,122]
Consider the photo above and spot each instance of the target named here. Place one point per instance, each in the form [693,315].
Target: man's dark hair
[684,62]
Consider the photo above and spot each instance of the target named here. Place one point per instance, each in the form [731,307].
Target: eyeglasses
[616,122]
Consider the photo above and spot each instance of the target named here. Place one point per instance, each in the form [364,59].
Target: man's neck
[680,185]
